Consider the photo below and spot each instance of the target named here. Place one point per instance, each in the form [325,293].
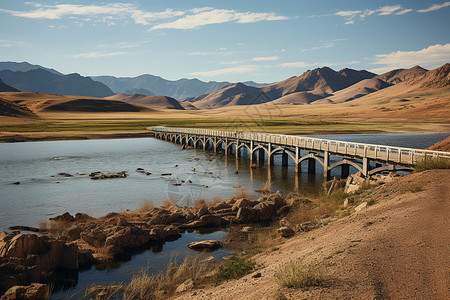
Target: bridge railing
[401,155]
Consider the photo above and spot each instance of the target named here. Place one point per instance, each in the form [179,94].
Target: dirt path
[397,248]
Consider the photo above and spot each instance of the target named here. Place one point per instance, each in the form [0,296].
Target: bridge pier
[345,171]
[311,165]
[366,166]
[261,155]
[326,171]
[284,159]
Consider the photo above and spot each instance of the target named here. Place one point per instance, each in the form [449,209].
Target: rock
[185,286]
[166,174]
[285,222]
[245,215]
[82,217]
[94,237]
[100,292]
[64,174]
[285,231]
[264,211]
[120,239]
[346,202]
[243,203]
[247,229]
[165,217]
[219,206]
[205,245]
[257,275]
[35,291]
[17,182]
[99,175]
[65,217]
[202,211]
[361,207]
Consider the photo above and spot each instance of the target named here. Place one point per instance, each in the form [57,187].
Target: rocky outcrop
[35,291]
[73,242]
[27,258]
[356,181]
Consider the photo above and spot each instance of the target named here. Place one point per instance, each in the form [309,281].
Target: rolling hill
[41,103]
[11,109]
[24,67]
[158,102]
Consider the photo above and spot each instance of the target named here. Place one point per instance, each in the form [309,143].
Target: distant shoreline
[21,138]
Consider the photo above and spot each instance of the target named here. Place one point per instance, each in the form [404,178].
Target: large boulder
[205,245]
[264,211]
[245,215]
[95,237]
[244,202]
[35,291]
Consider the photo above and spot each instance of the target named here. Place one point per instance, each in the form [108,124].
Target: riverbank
[394,248]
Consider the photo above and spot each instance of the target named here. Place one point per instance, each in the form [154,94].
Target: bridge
[260,147]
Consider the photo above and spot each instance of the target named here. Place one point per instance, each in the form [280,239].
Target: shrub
[295,274]
[235,268]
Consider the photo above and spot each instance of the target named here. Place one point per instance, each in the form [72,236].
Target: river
[42,193]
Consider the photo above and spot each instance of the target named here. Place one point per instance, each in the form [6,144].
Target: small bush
[235,268]
[371,202]
[241,193]
[432,163]
[295,274]
[412,187]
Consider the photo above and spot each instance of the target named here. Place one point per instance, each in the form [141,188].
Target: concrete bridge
[366,158]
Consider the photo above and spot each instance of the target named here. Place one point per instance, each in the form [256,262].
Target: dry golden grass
[146,205]
[296,274]
[164,284]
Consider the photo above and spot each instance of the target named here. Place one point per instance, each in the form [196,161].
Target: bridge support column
[284,159]
[226,146]
[269,155]
[345,171]
[261,155]
[215,144]
[366,166]
[326,172]
[311,166]
[297,158]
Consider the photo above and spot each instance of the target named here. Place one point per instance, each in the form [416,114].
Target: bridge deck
[382,153]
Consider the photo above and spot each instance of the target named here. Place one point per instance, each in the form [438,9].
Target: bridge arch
[311,155]
[283,150]
[346,162]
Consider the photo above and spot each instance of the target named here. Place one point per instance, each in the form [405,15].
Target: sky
[216,40]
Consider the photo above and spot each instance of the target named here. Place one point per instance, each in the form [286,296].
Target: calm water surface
[42,193]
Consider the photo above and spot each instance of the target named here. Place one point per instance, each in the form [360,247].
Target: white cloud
[108,13]
[98,54]
[266,58]
[388,10]
[209,53]
[297,64]
[232,70]
[233,62]
[430,57]
[217,16]
[434,7]
[348,13]
[9,43]
[352,15]
[105,13]
[405,11]
[327,45]
[301,64]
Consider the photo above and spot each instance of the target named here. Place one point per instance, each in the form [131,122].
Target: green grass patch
[235,268]
[412,188]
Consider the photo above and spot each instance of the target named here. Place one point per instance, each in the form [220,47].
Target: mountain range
[154,85]
[317,86]
[43,81]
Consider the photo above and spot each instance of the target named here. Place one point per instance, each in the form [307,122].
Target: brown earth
[397,248]
[157,102]
[443,145]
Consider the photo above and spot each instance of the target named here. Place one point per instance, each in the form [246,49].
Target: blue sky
[264,41]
